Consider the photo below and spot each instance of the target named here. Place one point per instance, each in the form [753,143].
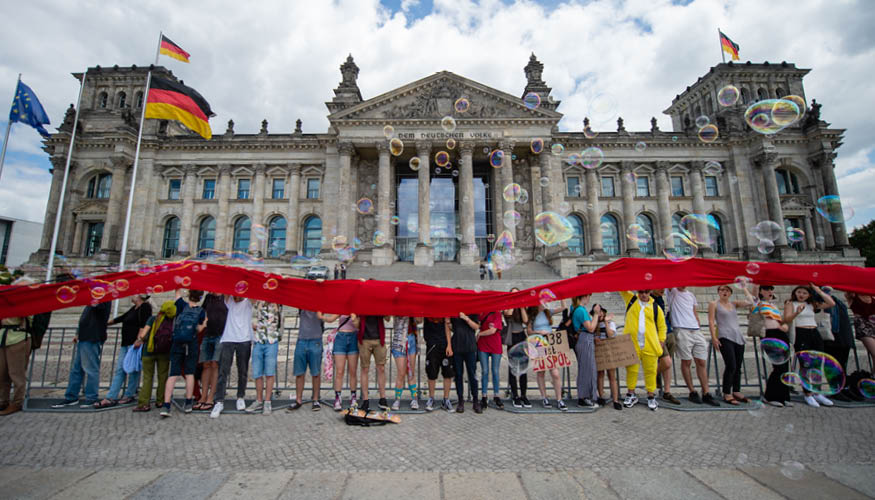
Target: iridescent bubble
[451,143]
[767,230]
[546,296]
[792,379]
[462,105]
[785,112]
[511,192]
[603,108]
[766,247]
[532,100]
[414,163]
[524,196]
[536,146]
[389,131]
[379,238]
[98,292]
[648,276]
[346,254]
[437,170]
[490,238]
[699,227]
[496,158]
[830,207]
[589,133]
[185,282]
[448,123]
[709,133]
[518,358]
[365,206]
[820,241]
[544,181]
[455,173]
[795,235]
[486,151]
[755,408]
[259,231]
[574,159]
[271,284]
[630,177]
[636,233]
[592,157]
[867,388]
[798,101]
[679,248]
[552,229]
[143,267]
[770,116]
[742,283]
[557,149]
[640,146]
[820,372]
[728,95]
[511,218]
[441,158]
[752,268]
[241,287]
[792,470]
[674,138]
[776,351]
[396,147]
[121,285]
[338,242]
[702,120]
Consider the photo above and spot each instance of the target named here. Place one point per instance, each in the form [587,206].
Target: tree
[863,238]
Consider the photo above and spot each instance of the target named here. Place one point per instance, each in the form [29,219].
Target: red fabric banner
[413,299]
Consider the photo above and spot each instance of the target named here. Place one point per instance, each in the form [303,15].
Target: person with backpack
[14,354]
[208,359]
[308,352]
[132,321]
[85,366]
[237,338]
[155,337]
[645,323]
[585,327]
[190,319]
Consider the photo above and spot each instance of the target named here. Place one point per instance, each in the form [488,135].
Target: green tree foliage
[863,238]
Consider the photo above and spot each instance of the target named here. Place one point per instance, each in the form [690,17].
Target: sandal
[125,401]
[106,403]
[743,399]
[142,408]
[730,401]
[206,406]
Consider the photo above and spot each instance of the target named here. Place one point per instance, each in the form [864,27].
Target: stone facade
[192,194]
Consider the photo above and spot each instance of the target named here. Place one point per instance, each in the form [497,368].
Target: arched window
[745,97]
[762,93]
[646,245]
[575,244]
[676,228]
[787,181]
[122,99]
[99,186]
[779,93]
[171,238]
[101,99]
[206,236]
[312,236]
[276,239]
[241,234]
[610,234]
[709,106]
[718,244]
[138,100]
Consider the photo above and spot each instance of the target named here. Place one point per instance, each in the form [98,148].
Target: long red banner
[414,299]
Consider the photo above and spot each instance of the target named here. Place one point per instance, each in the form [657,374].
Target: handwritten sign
[615,352]
[556,354]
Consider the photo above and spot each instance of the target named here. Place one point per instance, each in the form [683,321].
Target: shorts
[691,344]
[368,347]
[264,359]
[437,361]
[183,356]
[346,343]
[411,348]
[308,352]
[670,345]
[210,349]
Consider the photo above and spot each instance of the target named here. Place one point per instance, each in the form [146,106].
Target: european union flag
[27,109]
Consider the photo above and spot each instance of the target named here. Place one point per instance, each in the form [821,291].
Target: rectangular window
[93,236]
[573,184]
[173,191]
[677,185]
[278,189]
[607,187]
[312,189]
[643,186]
[209,189]
[243,189]
[711,186]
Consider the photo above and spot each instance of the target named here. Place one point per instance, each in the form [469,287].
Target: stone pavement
[798,452]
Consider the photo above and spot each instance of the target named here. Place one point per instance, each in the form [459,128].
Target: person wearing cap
[645,323]
[132,321]
[154,363]
[14,354]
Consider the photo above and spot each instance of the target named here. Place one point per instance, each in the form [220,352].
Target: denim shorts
[411,348]
[264,359]
[308,352]
[210,349]
[346,343]
[183,356]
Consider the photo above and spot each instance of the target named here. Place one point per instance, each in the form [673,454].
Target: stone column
[839,232]
[810,243]
[187,221]
[592,212]
[424,254]
[767,162]
[697,186]
[292,223]
[663,190]
[383,255]
[137,242]
[468,254]
[344,203]
[52,204]
[537,197]
[77,238]
[223,193]
[506,179]
[112,228]
[258,195]
[628,189]
[548,201]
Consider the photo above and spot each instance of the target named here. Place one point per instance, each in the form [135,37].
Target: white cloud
[24,191]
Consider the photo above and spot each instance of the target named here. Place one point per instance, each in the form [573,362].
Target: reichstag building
[420,174]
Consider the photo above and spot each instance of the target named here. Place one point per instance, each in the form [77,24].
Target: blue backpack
[185,324]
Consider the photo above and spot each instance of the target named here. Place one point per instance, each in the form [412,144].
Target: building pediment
[90,207]
[434,97]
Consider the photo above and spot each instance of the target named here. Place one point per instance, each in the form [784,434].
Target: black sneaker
[65,403]
[526,402]
[517,403]
[546,403]
[365,406]
[498,403]
[317,405]
[562,406]
[384,405]
[484,402]
[617,405]
[294,406]
[708,399]
[581,402]
[460,407]
[477,408]
[601,401]
[589,402]
[187,407]
[694,398]
[841,397]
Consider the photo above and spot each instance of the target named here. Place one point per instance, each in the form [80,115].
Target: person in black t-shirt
[438,359]
[464,346]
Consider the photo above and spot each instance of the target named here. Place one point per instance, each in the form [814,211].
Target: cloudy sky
[280,60]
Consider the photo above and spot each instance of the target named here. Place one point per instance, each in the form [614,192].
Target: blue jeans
[485,358]
[308,352]
[118,378]
[264,359]
[85,366]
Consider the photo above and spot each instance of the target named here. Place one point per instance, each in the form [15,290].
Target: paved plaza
[633,453]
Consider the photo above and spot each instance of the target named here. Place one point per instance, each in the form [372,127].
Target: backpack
[655,307]
[185,324]
[37,325]
[568,325]
[351,419]
[163,337]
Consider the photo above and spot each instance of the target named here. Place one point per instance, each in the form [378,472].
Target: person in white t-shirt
[691,343]
[236,342]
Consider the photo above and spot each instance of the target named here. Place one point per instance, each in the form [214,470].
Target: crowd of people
[198,337]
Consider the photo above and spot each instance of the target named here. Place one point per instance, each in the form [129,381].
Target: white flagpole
[59,213]
[8,128]
[131,193]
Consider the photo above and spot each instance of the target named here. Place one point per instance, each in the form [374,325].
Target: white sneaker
[267,408]
[825,401]
[429,405]
[809,400]
[652,404]
[396,405]
[217,409]
[630,400]
[241,404]
[414,404]
[254,407]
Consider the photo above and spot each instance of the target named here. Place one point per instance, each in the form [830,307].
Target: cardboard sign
[615,352]
[556,354]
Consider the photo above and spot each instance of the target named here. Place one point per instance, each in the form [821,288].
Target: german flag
[729,46]
[170,100]
[168,48]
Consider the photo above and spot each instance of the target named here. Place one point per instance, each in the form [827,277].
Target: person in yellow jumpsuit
[646,324]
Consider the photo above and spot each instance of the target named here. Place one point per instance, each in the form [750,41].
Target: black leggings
[775,389]
[733,359]
[517,390]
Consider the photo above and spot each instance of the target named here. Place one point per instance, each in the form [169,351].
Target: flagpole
[8,128]
[720,41]
[58,213]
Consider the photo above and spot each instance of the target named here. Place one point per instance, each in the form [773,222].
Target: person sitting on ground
[211,349]
[645,322]
[438,359]
[132,321]
[404,353]
[664,366]
[308,352]
[190,318]
[267,321]
[236,345]
[800,310]
[727,338]
[85,365]
[606,329]
[155,360]
[692,345]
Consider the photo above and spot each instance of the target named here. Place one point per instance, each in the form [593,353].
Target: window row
[642,186]
[746,97]
[120,101]
[242,236]
[244,189]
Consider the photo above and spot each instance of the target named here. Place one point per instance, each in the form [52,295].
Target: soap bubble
[702,121]
[552,229]
[496,158]
[546,296]
[742,283]
[448,123]
[699,228]
[792,470]
[640,146]
[365,206]
[770,116]
[511,192]
[414,163]
[121,285]
[728,95]
[603,108]
[557,149]
[592,157]
[752,268]
[338,242]
[564,207]
[389,131]
[462,105]
[776,351]
[441,158]
[270,284]
[396,147]
[544,181]
[648,276]
[867,388]
[820,372]
[241,287]
[532,100]
[679,248]
[511,218]
[755,408]
[589,133]
[379,238]
[536,146]
[455,173]
[795,235]
[765,247]
[518,359]
[767,230]
[451,143]
[394,220]
[709,133]
[831,208]
[524,197]
[259,231]
[638,234]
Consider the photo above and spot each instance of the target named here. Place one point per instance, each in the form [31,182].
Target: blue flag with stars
[27,109]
